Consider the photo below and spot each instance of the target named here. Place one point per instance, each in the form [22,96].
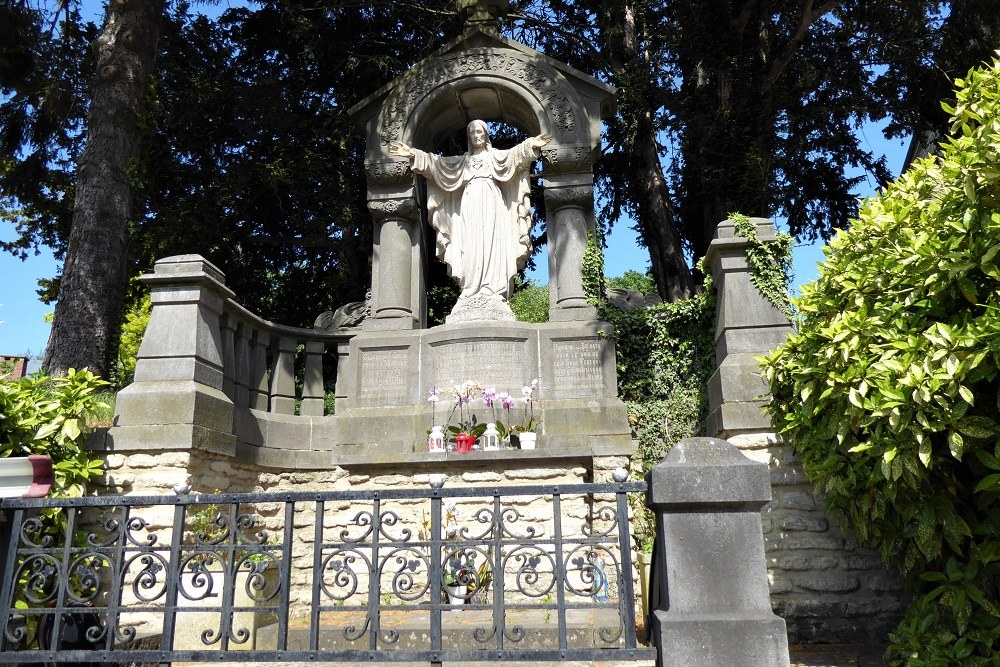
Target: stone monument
[221,379]
[472,211]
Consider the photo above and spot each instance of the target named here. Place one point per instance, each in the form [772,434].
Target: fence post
[176,400]
[713,608]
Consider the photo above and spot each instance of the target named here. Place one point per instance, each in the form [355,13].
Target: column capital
[567,159]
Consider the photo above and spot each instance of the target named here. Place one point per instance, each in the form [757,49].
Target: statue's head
[478,135]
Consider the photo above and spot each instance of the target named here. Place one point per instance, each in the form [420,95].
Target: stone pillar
[712,606]
[569,207]
[396,265]
[748,326]
[176,400]
[824,584]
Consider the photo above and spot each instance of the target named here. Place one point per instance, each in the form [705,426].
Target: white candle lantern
[491,438]
[435,441]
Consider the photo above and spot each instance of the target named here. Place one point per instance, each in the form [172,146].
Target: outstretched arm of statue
[540,140]
[399,149]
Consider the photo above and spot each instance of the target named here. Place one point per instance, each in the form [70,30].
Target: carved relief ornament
[546,84]
[384,209]
[567,159]
[388,172]
[581,196]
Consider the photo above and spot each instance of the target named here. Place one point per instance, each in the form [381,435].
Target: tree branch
[571,36]
[739,24]
[809,16]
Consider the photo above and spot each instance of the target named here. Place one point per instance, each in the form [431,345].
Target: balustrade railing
[275,368]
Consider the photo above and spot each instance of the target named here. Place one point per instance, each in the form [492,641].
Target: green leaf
[956,445]
[988,483]
[924,452]
[977,427]
[71,429]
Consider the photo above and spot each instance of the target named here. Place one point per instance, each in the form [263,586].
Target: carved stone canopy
[489,77]
[479,76]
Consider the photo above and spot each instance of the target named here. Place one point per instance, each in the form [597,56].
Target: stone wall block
[862,562]
[833,583]
[797,500]
[811,523]
[806,563]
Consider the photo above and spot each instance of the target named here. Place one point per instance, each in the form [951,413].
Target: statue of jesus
[478,203]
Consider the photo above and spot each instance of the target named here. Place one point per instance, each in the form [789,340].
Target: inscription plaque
[498,363]
[385,375]
[578,364]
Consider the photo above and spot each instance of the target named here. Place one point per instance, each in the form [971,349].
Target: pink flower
[433,396]
[506,400]
[489,395]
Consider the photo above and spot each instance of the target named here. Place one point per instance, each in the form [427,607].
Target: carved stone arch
[469,76]
[454,105]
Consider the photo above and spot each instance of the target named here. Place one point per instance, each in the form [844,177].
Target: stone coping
[554,452]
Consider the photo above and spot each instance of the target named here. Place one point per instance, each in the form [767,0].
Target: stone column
[748,326]
[394,271]
[569,206]
[712,606]
[176,400]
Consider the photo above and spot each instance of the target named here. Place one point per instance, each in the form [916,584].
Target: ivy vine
[770,262]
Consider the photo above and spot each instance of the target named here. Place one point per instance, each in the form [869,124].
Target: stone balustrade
[260,361]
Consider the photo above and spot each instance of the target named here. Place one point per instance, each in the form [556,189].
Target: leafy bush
[43,415]
[530,303]
[641,282]
[888,389]
[130,338]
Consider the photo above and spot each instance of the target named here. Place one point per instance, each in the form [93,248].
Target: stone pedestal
[176,400]
[713,603]
[387,374]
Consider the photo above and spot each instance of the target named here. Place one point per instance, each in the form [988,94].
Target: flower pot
[456,594]
[464,442]
[527,440]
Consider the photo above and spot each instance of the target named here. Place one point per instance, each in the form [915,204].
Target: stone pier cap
[698,473]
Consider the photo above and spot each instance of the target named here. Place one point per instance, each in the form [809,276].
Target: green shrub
[130,338]
[43,415]
[530,303]
[888,389]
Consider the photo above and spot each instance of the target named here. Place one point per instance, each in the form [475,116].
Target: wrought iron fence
[508,573]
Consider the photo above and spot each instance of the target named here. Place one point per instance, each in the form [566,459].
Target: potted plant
[467,430]
[525,429]
[456,579]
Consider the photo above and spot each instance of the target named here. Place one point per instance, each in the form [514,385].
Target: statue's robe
[480,208]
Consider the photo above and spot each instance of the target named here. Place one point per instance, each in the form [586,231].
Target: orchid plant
[467,393]
[528,422]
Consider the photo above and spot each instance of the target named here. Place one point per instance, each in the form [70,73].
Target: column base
[752,640]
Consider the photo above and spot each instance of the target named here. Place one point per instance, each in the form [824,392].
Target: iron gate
[506,573]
